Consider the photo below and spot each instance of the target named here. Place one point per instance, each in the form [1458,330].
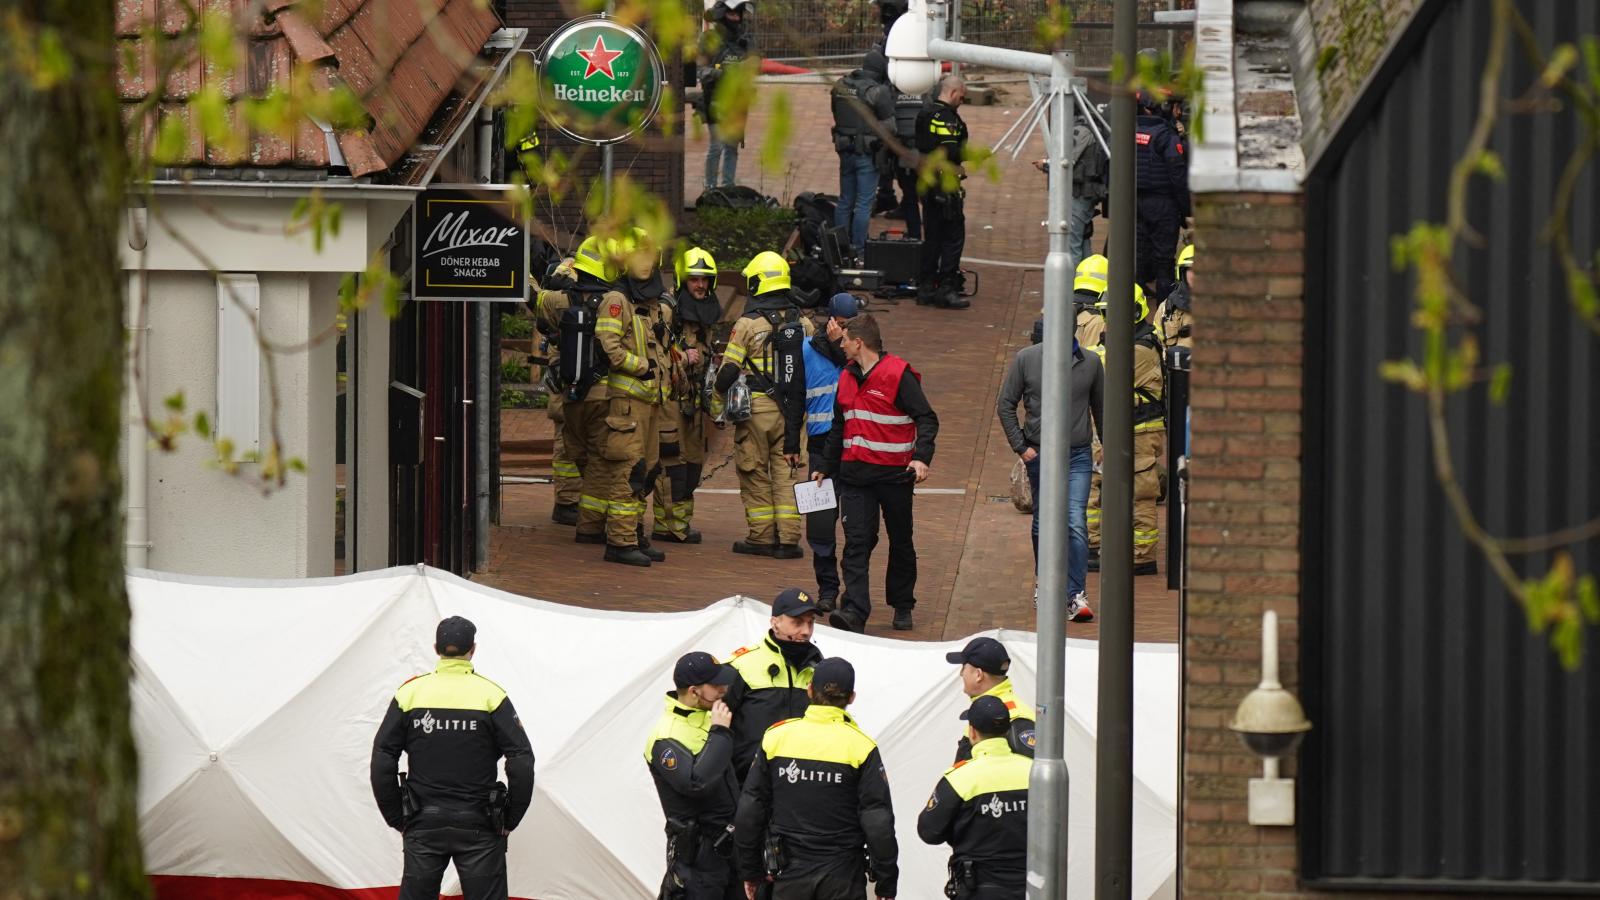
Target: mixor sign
[470,244]
[604,77]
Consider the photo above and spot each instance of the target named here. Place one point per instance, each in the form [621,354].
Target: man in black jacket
[863,115]
[1163,195]
[879,448]
[942,141]
[454,725]
[690,754]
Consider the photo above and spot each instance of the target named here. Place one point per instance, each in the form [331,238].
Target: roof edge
[509,40]
[1214,166]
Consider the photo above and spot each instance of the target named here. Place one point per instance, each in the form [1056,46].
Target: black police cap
[700,667]
[455,636]
[794,602]
[988,714]
[985,653]
[834,676]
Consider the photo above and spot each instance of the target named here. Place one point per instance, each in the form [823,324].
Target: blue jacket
[823,365]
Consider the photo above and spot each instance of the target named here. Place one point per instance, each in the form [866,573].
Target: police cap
[985,653]
[988,714]
[700,667]
[834,676]
[455,636]
[794,602]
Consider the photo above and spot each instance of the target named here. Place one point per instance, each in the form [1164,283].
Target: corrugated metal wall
[1450,750]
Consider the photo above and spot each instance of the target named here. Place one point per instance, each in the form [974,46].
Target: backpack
[786,352]
[582,364]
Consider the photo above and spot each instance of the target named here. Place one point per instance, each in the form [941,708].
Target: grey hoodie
[1025,384]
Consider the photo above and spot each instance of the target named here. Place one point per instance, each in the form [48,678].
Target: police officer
[1174,322]
[722,46]
[766,347]
[816,795]
[1163,193]
[984,663]
[690,754]
[569,313]
[907,107]
[696,311]
[626,331]
[825,359]
[774,673]
[1149,433]
[863,114]
[454,725]
[942,140]
[980,808]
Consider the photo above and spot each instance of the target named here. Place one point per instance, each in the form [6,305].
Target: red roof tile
[401,57]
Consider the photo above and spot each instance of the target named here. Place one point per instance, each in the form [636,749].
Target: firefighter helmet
[767,272]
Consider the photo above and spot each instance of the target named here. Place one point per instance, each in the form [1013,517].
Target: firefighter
[690,755]
[766,347]
[815,798]
[1088,285]
[629,445]
[1174,322]
[567,314]
[454,726]
[774,673]
[696,311]
[942,140]
[984,663]
[1149,433]
[980,808]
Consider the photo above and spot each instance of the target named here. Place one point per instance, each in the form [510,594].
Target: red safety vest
[875,430]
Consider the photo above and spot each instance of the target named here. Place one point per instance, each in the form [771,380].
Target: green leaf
[174,402]
[1488,163]
[1583,293]
[172,140]
[202,424]
[1591,59]
[776,140]
[1500,384]
[1326,59]
[296,464]
[1589,598]
[1561,61]
[52,64]
[1403,372]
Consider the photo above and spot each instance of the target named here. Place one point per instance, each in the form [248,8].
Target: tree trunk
[68,823]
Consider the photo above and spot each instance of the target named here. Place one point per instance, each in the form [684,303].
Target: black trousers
[910,209]
[885,198]
[992,892]
[479,855]
[944,237]
[822,534]
[1157,239]
[860,506]
[708,877]
[845,880]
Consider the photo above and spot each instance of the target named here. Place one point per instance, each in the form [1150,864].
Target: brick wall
[1244,531]
[655,160]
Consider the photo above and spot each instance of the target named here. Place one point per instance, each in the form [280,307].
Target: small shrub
[733,236]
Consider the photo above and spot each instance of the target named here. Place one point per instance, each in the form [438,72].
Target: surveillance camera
[911,69]
[1270,721]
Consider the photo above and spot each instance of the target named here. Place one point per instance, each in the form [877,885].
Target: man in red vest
[878,450]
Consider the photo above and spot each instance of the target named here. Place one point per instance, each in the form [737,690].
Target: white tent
[255,705]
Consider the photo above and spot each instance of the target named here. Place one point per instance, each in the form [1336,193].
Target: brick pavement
[974,556]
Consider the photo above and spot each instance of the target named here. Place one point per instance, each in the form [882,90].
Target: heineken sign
[603,77]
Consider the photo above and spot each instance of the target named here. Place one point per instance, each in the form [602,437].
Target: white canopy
[256,702]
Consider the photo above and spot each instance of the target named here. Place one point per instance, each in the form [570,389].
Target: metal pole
[955,33]
[1114,732]
[486,443]
[1047,782]
[605,178]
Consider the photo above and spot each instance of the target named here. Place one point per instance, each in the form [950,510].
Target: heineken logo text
[611,94]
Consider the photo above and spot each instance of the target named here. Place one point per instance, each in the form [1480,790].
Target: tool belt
[962,878]
[774,855]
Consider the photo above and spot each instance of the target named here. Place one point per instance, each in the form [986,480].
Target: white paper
[812,496]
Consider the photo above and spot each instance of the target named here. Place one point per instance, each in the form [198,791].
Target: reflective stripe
[788,512]
[593,504]
[626,508]
[734,354]
[824,391]
[565,469]
[819,418]
[758,513]
[610,326]
[880,418]
[1152,425]
[1144,538]
[631,386]
[859,441]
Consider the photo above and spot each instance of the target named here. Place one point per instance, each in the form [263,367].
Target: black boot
[583,537]
[928,292]
[902,619]
[645,548]
[787,551]
[750,549]
[1094,559]
[564,514]
[845,620]
[950,289]
[628,556]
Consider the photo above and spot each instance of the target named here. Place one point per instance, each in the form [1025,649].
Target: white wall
[371,459]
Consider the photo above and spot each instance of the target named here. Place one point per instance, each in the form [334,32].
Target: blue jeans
[727,155]
[1077,232]
[1080,471]
[858,187]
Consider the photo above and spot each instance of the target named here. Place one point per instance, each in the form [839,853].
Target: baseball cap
[794,602]
[455,636]
[844,306]
[985,653]
[700,667]
[988,714]
[834,675]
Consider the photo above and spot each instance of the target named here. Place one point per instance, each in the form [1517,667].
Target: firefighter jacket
[552,303]
[1162,168]
[1021,737]
[771,687]
[691,763]
[1174,321]
[1149,409]
[863,111]
[819,787]
[625,340]
[980,808]
[908,400]
[454,725]
[939,127]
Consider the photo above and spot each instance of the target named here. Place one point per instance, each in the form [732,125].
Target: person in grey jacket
[1024,384]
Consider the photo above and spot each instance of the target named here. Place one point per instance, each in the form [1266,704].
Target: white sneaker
[1078,608]
[1036,598]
